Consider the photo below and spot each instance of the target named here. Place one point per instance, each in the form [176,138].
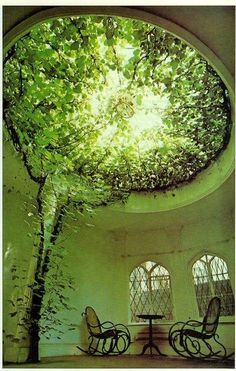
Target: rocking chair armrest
[121,327]
[180,326]
[191,323]
[107,325]
[176,326]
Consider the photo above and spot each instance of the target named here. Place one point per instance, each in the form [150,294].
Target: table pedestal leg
[146,346]
[150,344]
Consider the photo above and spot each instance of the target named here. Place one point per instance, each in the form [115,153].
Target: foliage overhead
[100,100]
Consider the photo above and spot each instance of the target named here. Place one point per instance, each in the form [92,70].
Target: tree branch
[136,67]
[18,146]
[54,235]
[21,83]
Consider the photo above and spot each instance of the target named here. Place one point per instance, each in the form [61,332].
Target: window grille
[150,291]
[211,278]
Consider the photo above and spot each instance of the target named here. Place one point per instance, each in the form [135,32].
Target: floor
[124,361]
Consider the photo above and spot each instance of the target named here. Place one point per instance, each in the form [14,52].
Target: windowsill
[227,320]
[222,321]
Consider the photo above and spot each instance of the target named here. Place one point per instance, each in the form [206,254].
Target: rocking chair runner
[193,339]
[105,338]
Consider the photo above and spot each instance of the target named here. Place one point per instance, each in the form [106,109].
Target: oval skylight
[115,99]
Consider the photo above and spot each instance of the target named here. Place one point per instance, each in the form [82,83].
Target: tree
[99,107]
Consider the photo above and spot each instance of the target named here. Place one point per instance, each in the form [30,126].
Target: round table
[150,343]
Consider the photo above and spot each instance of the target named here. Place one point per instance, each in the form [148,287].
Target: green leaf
[76,45]
[13,314]
[139,100]
[12,302]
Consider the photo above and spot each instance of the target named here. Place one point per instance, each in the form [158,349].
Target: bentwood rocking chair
[199,340]
[105,338]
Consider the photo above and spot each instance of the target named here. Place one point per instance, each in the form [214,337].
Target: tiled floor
[126,361]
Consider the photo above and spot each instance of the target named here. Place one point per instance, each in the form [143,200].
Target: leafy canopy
[114,101]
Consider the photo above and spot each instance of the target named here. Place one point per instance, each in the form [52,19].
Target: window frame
[223,318]
[150,285]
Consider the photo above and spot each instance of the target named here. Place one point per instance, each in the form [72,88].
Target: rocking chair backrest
[211,319]
[92,321]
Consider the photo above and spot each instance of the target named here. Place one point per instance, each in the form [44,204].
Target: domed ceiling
[123,103]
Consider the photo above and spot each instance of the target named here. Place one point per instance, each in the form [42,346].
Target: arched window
[150,291]
[211,278]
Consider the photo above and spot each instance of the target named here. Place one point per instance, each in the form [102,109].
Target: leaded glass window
[150,291]
[211,278]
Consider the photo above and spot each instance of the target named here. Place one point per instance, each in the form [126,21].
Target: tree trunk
[41,269]
[34,328]
[38,287]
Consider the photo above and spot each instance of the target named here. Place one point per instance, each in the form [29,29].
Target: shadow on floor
[124,361]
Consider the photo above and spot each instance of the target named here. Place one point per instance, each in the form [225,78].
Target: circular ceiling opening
[115,100]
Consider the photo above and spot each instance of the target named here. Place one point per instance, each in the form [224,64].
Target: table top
[150,316]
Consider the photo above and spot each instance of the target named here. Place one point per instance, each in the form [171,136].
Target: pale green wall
[101,282]
[19,195]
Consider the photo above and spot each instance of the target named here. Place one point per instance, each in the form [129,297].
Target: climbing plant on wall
[99,107]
